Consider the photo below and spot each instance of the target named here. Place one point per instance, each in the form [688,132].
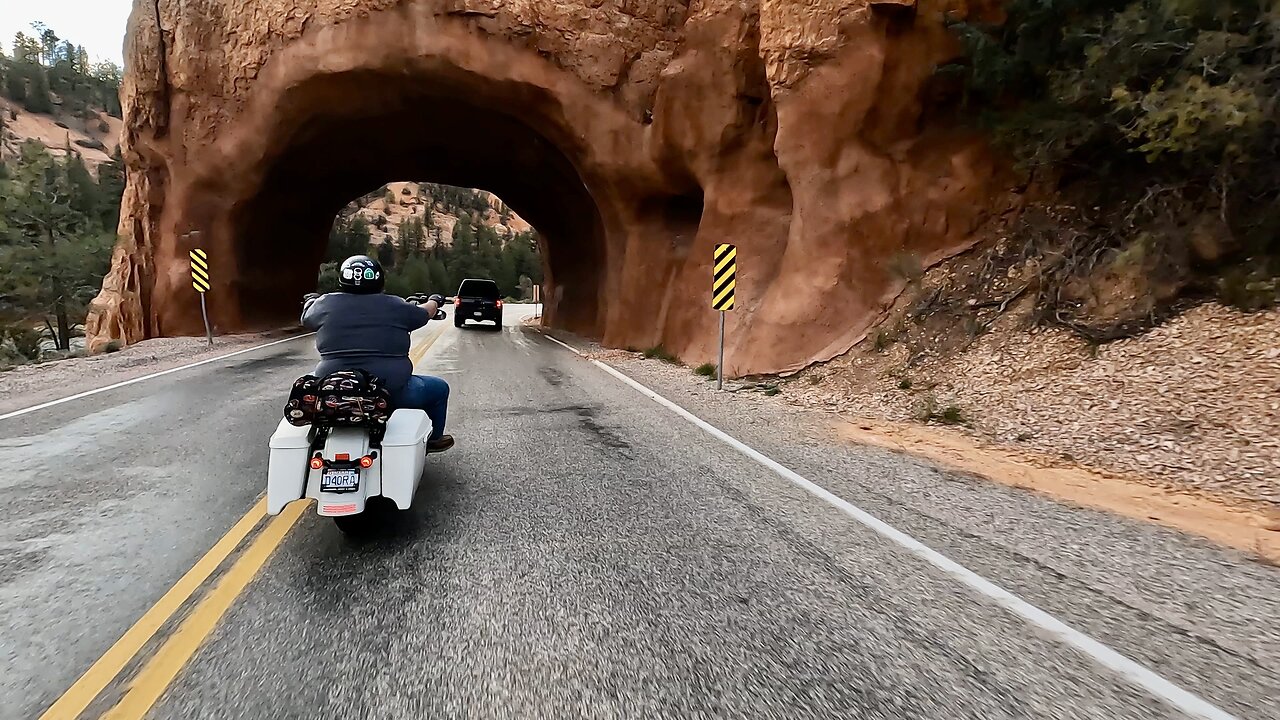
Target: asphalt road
[585,552]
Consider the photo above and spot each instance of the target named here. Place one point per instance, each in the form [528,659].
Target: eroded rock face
[634,134]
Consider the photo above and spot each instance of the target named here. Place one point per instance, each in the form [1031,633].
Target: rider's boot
[440,444]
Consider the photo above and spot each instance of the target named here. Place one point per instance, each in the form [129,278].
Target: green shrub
[883,339]
[25,341]
[1150,115]
[706,370]
[929,410]
[657,352]
[952,414]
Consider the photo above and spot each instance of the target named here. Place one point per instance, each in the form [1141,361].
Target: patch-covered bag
[347,398]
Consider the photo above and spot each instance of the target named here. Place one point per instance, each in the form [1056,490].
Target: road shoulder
[28,385]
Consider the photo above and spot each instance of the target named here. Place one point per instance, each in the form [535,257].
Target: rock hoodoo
[633,134]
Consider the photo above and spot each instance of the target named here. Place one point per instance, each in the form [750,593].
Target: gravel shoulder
[28,385]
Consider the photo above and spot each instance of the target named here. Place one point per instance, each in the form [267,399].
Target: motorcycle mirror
[440,315]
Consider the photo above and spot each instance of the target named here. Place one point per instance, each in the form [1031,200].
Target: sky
[98,25]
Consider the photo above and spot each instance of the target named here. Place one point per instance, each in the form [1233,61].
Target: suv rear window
[486,289]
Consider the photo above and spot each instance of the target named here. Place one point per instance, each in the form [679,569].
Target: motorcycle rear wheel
[358,525]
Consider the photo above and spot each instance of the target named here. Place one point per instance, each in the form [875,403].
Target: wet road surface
[584,552]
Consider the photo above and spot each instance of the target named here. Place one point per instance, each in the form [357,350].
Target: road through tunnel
[370,129]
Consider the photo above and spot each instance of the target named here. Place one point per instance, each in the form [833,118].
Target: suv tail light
[457,300]
[499,304]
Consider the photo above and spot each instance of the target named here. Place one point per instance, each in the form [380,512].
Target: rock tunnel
[633,136]
[363,129]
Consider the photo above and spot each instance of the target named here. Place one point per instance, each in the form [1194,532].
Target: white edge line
[95,391]
[1135,673]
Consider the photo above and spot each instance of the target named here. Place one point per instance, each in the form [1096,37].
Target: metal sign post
[720,362]
[200,281]
[724,282]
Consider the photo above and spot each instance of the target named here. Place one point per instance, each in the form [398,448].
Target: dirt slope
[83,136]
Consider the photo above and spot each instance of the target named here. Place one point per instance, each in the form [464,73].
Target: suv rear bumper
[485,314]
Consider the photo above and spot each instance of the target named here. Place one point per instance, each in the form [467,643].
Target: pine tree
[37,99]
[58,253]
[48,44]
[26,50]
[411,239]
[15,85]
[387,255]
[111,181]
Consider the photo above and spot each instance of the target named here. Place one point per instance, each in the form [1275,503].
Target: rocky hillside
[96,137]
[437,207]
[1192,405]
[51,92]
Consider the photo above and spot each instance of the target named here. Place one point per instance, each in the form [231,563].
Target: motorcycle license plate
[340,481]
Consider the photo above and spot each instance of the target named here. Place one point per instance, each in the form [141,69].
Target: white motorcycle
[343,468]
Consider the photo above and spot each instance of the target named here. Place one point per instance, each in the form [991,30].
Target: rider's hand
[438,299]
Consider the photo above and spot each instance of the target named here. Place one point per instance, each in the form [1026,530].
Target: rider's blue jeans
[425,392]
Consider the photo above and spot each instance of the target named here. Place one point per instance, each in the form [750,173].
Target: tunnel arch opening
[430,237]
[362,130]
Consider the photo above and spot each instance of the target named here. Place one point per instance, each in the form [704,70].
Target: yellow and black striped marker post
[200,271]
[724,284]
[200,281]
[725,279]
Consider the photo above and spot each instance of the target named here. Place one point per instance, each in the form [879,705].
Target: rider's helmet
[361,274]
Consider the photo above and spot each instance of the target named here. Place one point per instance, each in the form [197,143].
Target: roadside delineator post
[200,281]
[724,281]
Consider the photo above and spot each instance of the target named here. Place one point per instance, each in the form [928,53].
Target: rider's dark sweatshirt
[364,332]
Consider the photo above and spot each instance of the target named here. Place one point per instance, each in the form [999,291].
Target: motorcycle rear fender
[395,474]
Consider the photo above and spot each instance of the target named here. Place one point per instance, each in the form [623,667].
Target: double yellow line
[419,351]
[164,665]
[176,651]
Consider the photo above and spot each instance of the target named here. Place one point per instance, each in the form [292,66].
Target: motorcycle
[344,468]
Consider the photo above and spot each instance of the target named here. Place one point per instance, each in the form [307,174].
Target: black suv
[478,300]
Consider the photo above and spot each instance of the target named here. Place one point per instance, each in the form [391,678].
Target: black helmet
[361,274]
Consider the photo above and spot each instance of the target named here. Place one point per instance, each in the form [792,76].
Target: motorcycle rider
[361,328]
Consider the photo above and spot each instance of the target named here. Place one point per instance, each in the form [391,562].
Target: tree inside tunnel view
[429,237]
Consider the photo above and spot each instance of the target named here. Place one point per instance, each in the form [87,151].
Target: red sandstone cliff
[634,134]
